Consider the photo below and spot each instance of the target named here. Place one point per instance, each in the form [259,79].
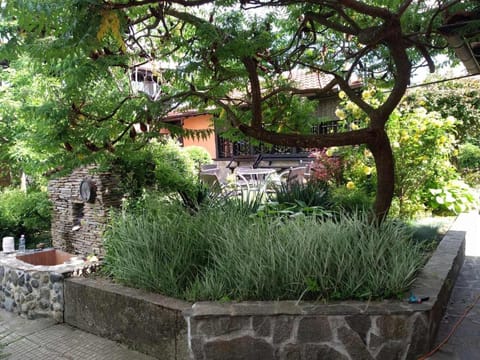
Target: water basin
[50,257]
[31,283]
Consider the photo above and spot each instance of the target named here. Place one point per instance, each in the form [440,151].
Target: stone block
[282,328]
[241,348]
[54,277]
[290,352]
[314,330]
[393,327]
[217,326]
[391,350]
[353,344]
[418,345]
[361,324]
[196,346]
[323,352]
[262,326]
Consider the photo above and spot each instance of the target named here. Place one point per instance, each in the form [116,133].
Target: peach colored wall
[201,122]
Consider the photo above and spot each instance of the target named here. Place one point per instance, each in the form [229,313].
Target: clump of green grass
[223,253]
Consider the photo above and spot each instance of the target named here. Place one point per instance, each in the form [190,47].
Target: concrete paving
[464,343]
[43,339]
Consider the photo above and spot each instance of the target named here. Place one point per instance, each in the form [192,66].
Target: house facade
[219,147]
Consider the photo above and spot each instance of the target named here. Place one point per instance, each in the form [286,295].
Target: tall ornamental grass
[222,253]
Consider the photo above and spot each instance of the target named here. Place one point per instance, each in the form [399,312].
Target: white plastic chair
[294,175]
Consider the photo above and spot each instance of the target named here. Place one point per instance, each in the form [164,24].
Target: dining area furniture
[253,179]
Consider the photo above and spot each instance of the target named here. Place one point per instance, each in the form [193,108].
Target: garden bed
[391,329]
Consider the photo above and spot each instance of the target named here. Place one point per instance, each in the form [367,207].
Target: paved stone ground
[465,341]
[43,339]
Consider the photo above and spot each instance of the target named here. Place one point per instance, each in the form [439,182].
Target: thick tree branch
[133,4]
[357,137]
[362,7]
[402,74]
[323,20]
[256,92]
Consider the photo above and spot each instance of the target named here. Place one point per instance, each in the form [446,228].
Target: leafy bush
[223,253]
[468,157]
[198,155]
[174,170]
[313,193]
[422,143]
[454,198]
[312,198]
[351,199]
[164,166]
[25,213]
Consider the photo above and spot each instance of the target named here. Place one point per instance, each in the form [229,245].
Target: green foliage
[198,155]
[312,198]
[460,99]
[468,157]
[25,213]
[160,249]
[70,101]
[137,172]
[423,143]
[351,200]
[174,169]
[312,193]
[454,197]
[166,167]
[224,253]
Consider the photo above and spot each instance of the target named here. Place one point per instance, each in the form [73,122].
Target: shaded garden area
[72,97]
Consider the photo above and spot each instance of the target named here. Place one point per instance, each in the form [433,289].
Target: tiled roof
[309,80]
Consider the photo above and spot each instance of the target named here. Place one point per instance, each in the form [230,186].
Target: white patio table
[253,179]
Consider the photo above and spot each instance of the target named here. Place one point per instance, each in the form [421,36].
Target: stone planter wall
[286,330]
[77,225]
[150,323]
[172,329]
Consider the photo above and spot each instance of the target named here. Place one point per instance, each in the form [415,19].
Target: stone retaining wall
[352,330]
[150,323]
[282,330]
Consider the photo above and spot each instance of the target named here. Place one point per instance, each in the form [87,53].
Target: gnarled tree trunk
[383,155]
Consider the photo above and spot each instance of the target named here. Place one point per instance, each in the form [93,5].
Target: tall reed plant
[224,253]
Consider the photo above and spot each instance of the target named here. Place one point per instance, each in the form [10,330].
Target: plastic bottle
[21,244]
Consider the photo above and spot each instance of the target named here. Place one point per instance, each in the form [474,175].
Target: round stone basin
[31,283]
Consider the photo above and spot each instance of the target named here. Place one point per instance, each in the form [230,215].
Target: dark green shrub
[351,200]
[468,157]
[198,155]
[313,193]
[25,213]
[164,166]
[312,198]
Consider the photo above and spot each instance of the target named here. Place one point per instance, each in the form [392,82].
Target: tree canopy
[68,98]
